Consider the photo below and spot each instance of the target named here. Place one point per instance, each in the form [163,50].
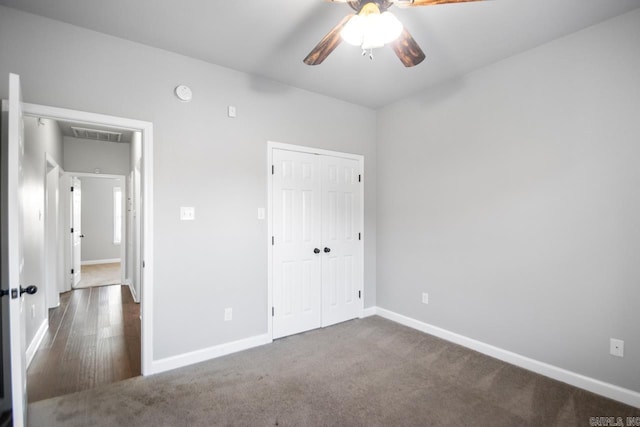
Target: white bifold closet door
[317,253]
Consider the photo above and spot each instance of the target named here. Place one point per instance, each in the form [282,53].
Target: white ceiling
[269,38]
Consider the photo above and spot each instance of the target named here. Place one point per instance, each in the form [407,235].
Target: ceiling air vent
[98,135]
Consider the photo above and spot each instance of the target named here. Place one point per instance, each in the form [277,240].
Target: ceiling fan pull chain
[364,52]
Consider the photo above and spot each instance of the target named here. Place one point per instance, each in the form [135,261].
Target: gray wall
[512,197]
[40,137]
[202,158]
[97,218]
[85,155]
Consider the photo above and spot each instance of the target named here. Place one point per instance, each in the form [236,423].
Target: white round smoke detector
[183,93]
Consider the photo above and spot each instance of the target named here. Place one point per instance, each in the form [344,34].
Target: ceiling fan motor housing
[358,5]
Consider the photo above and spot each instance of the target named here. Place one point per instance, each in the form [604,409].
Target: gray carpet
[369,372]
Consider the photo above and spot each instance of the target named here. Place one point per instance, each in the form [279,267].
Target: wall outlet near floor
[425,298]
[228,314]
[616,347]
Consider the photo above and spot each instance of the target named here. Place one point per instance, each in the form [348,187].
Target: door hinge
[71,230]
[273,311]
[359,178]
[273,240]
[359,236]
[273,169]
[359,294]
[143,264]
[72,189]
[72,271]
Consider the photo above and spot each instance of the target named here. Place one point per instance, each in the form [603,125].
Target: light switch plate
[187,213]
[261,213]
[616,347]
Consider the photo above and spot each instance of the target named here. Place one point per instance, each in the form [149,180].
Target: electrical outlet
[616,347]
[187,213]
[425,298]
[228,314]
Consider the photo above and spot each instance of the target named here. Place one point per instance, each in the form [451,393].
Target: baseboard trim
[593,385]
[132,290]
[182,360]
[100,261]
[36,341]
[369,311]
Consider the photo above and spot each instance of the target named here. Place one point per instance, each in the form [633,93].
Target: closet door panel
[296,228]
[341,204]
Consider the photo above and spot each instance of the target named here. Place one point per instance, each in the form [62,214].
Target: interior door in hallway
[296,240]
[341,234]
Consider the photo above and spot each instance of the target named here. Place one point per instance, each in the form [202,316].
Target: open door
[12,256]
[76,230]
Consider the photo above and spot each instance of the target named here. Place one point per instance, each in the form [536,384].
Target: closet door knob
[316,251]
[327,250]
[29,289]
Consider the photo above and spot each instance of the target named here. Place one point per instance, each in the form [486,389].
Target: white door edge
[17,347]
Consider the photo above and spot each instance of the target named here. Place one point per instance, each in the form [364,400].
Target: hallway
[93,339]
[99,275]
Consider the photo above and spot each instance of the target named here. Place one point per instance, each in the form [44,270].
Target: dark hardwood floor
[93,339]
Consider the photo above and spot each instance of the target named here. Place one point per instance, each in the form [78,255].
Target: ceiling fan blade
[407,49]
[327,44]
[411,3]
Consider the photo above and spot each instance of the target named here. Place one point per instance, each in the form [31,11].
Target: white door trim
[272,145]
[50,281]
[146,129]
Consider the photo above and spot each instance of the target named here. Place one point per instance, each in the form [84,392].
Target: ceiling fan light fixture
[371,29]
[353,31]
[390,27]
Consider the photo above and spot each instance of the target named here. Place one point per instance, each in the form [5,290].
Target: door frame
[146,130]
[67,200]
[51,232]
[273,145]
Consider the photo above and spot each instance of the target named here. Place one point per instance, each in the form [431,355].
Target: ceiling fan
[372,26]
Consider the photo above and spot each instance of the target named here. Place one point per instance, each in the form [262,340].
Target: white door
[76,230]
[296,243]
[317,251]
[341,244]
[12,236]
